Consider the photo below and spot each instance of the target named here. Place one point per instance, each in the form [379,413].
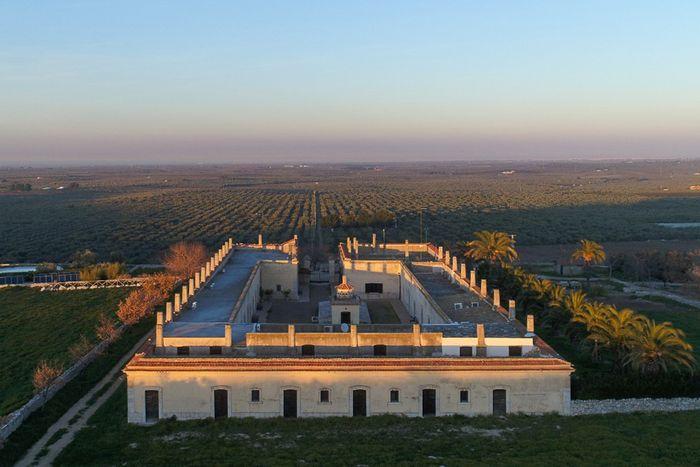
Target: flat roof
[446,294]
[215,301]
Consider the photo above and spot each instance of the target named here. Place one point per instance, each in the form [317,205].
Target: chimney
[441,253]
[227,335]
[353,335]
[454,263]
[496,298]
[291,336]
[184,295]
[511,310]
[447,258]
[480,335]
[168,312]
[530,326]
[484,289]
[260,240]
[159,329]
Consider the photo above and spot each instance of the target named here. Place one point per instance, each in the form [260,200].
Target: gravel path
[595,407]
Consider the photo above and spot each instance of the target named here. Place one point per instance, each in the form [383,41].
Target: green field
[635,439]
[38,325]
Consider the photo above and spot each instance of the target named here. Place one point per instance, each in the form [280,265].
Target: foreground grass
[611,439]
[36,425]
[37,325]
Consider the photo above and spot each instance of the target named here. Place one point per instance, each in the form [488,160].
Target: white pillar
[159,329]
[511,310]
[484,289]
[472,279]
[496,298]
[178,305]
[454,264]
[168,312]
[190,288]
[260,240]
[463,271]
[183,295]
[197,280]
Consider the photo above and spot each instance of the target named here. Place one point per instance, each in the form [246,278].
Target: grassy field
[38,325]
[636,439]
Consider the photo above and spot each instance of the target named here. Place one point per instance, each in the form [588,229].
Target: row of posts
[190,287]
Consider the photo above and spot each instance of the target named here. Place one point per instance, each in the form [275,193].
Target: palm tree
[591,314]
[660,347]
[590,253]
[496,248]
[616,331]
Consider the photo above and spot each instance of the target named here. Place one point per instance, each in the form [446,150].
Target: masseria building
[454,349]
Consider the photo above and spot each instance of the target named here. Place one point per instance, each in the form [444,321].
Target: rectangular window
[515,351]
[466,351]
[464,396]
[279,288]
[152,406]
[481,351]
[373,287]
[255,395]
[325,396]
[183,350]
[394,396]
[215,350]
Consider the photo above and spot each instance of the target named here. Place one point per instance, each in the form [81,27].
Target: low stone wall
[597,407]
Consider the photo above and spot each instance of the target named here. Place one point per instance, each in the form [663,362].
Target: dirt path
[631,287]
[82,411]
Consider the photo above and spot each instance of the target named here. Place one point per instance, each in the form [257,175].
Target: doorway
[220,403]
[429,405]
[152,407]
[359,403]
[289,408]
[345,317]
[499,401]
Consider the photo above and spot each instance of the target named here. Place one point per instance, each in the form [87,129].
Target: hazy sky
[150,81]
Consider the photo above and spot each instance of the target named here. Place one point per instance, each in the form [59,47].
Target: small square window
[255,395]
[183,350]
[464,396]
[481,351]
[325,396]
[515,351]
[215,350]
[394,395]
[279,288]
[466,351]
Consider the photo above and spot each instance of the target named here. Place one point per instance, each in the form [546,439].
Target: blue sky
[97,81]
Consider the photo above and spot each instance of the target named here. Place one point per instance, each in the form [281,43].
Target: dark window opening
[345,317]
[394,395]
[255,395]
[308,350]
[183,350]
[152,408]
[481,351]
[515,351]
[464,396]
[279,288]
[374,287]
[325,396]
[466,351]
[215,350]
[379,350]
